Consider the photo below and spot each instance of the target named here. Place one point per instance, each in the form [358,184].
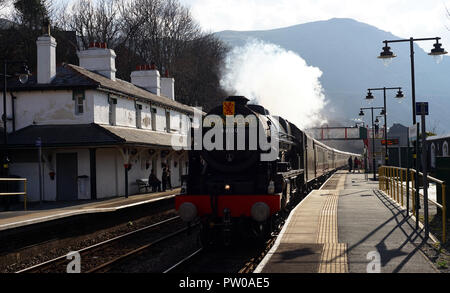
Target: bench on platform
[142,183]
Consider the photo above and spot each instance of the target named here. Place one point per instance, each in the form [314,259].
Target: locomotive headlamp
[227,187]
[271,187]
[187,211]
[260,211]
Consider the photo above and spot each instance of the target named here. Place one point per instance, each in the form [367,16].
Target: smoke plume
[277,79]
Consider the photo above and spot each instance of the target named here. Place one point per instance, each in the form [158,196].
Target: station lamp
[438,52]
[386,55]
[23,75]
[361,113]
[369,98]
[399,96]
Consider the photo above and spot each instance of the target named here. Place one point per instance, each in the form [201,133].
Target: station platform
[348,226]
[48,211]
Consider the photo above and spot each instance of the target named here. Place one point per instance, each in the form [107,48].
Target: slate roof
[82,135]
[62,135]
[70,76]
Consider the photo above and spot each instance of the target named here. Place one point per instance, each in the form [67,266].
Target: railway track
[103,256]
[242,260]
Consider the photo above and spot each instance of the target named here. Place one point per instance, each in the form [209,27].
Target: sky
[404,18]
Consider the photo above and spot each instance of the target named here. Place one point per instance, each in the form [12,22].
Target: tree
[141,32]
[31,13]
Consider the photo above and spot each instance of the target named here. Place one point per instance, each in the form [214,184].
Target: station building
[91,126]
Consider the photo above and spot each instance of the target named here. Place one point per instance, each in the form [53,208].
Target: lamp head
[438,52]
[361,113]
[23,75]
[386,55]
[369,96]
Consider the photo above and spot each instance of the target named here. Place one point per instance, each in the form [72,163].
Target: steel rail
[57,260]
[108,265]
[184,260]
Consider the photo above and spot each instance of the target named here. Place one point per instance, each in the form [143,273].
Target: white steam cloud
[277,79]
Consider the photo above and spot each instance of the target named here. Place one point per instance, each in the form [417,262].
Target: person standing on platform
[356,163]
[154,182]
[168,182]
[164,178]
[350,164]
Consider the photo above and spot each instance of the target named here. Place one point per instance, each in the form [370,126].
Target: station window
[112,111]
[78,97]
[154,119]
[138,116]
[168,121]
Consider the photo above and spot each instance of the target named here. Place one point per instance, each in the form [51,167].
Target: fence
[394,182]
[24,193]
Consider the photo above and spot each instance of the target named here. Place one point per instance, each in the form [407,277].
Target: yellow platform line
[334,255]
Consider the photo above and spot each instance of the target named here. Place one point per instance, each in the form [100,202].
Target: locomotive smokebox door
[228,108]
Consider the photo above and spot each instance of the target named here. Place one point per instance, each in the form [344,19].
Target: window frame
[112,110]
[76,95]
[139,116]
[168,121]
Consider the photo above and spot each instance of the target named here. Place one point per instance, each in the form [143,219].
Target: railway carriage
[232,189]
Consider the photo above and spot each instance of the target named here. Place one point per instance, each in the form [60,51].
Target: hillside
[345,51]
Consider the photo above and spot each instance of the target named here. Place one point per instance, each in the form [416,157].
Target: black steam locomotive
[250,168]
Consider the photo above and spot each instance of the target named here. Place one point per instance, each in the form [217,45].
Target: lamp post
[370,97]
[437,52]
[361,113]
[23,78]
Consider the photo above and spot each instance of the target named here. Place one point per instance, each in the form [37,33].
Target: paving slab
[348,226]
[54,210]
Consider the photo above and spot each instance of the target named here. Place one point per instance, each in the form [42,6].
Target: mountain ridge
[345,50]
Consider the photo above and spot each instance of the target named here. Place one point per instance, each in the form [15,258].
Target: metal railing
[395,183]
[24,193]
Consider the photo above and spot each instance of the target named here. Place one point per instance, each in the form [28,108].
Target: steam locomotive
[247,167]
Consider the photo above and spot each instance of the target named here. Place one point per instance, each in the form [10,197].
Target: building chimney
[147,77]
[100,59]
[168,86]
[46,56]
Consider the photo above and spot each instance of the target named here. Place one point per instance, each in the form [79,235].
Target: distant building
[93,126]
[438,146]
[398,145]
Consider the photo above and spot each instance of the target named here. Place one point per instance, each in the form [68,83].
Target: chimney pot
[46,59]
[101,61]
[147,78]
